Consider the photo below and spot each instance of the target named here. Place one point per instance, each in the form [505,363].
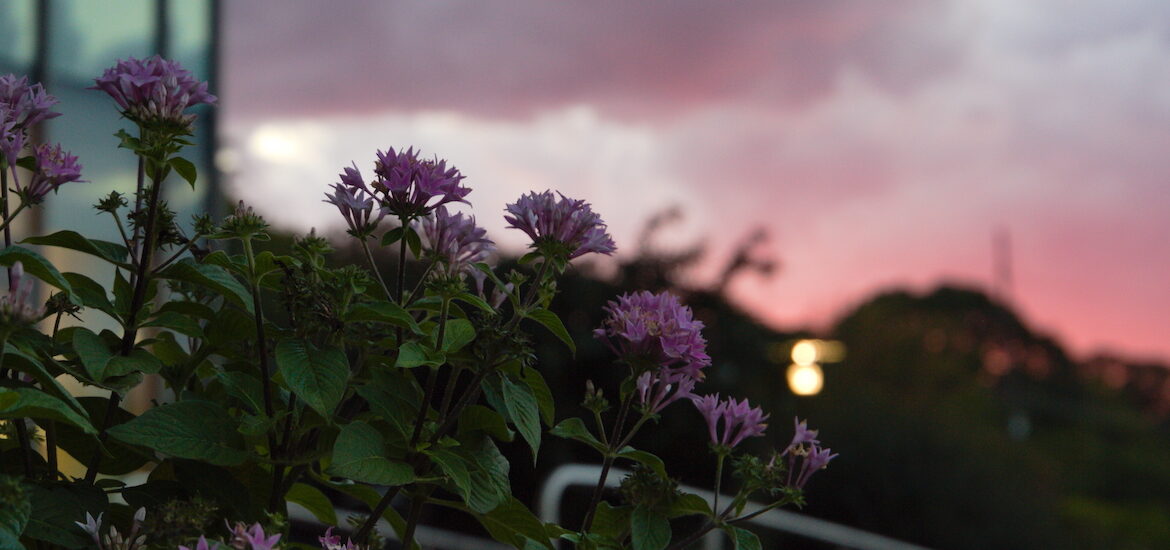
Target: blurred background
[964,203]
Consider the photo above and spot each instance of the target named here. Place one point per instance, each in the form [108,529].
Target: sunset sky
[880,144]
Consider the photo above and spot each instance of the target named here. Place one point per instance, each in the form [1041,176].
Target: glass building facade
[65,44]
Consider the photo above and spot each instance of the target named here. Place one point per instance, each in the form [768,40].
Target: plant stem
[140,280]
[718,479]
[607,463]
[432,376]
[276,499]
[416,505]
[374,268]
[4,202]
[7,223]
[689,539]
[363,532]
[401,262]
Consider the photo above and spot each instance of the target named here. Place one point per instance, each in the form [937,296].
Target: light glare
[804,352]
[805,379]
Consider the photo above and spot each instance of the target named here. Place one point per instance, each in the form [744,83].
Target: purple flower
[455,240]
[202,545]
[26,105]
[356,203]
[11,136]
[739,419]
[92,525]
[560,225]
[656,328]
[659,388]
[55,167]
[18,308]
[333,542]
[801,436]
[154,90]
[410,186]
[253,537]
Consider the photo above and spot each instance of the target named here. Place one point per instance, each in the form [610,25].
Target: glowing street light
[805,380]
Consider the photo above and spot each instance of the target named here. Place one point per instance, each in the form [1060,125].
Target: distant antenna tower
[1001,251]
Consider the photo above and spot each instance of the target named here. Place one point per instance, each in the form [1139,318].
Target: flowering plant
[287,378]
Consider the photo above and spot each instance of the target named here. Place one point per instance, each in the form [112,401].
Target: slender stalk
[607,464]
[141,281]
[8,222]
[718,479]
[530,295]
[51,449]
[138,197]
[416,505]
[449,391]
[176,255]
[690,539]
[374,268]
[401,263]
[433,376]
[420,285]
[4,203]
[363,532]
[276,499]
[125,238]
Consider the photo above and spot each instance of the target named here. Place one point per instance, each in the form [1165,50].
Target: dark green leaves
[648,530]
[33,403]
[524,411]
[184,168]
[512,523]
[383,312]
[359,454]
[108,251]
[199,430]
[35,265]
[318,376]
[744,539]
[574,428]
[554,325]
[15,514]
[210,276]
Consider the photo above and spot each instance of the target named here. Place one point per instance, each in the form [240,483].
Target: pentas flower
[18,308]
[560,226]
[333,542]
[801,436]
[356,203]
[11,137]
[244,537]
[202,545]
[412,188]
[805,449]
[23,105]
[657,328]
[154,91]
[729,421]
[92,525]
[455,241]
[659,388]
[55,166]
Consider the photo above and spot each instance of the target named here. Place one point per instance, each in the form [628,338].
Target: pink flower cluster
[412,188]
[562,225]
[22,106]
[729,421]
[154,90]
[643,326]
[807,449]
[454,240]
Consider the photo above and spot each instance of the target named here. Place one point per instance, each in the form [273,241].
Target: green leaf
[16,359]
[318,376]
[611,521]
[395,396]
[648,459]
[744,539]
[91,294]
[139,360]
[413,242]
[392,236]
[120,459]
[554,325]
[488,473]
[648,531]
[525,413]
[313,500]
[182,324]
[574,428]
[459,333]
[476,301]
[92,352]
[383,312]
[359,454]
[513,523]
[56,507]
[245,387]
[34,403]
[14,517]
[195,429]
[689,504]
[413,354]
[184,168]
[540,390]
[108,251]
[210,276]
[36,265]
[480,418]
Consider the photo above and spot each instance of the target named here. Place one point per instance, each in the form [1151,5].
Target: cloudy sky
[879,143]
